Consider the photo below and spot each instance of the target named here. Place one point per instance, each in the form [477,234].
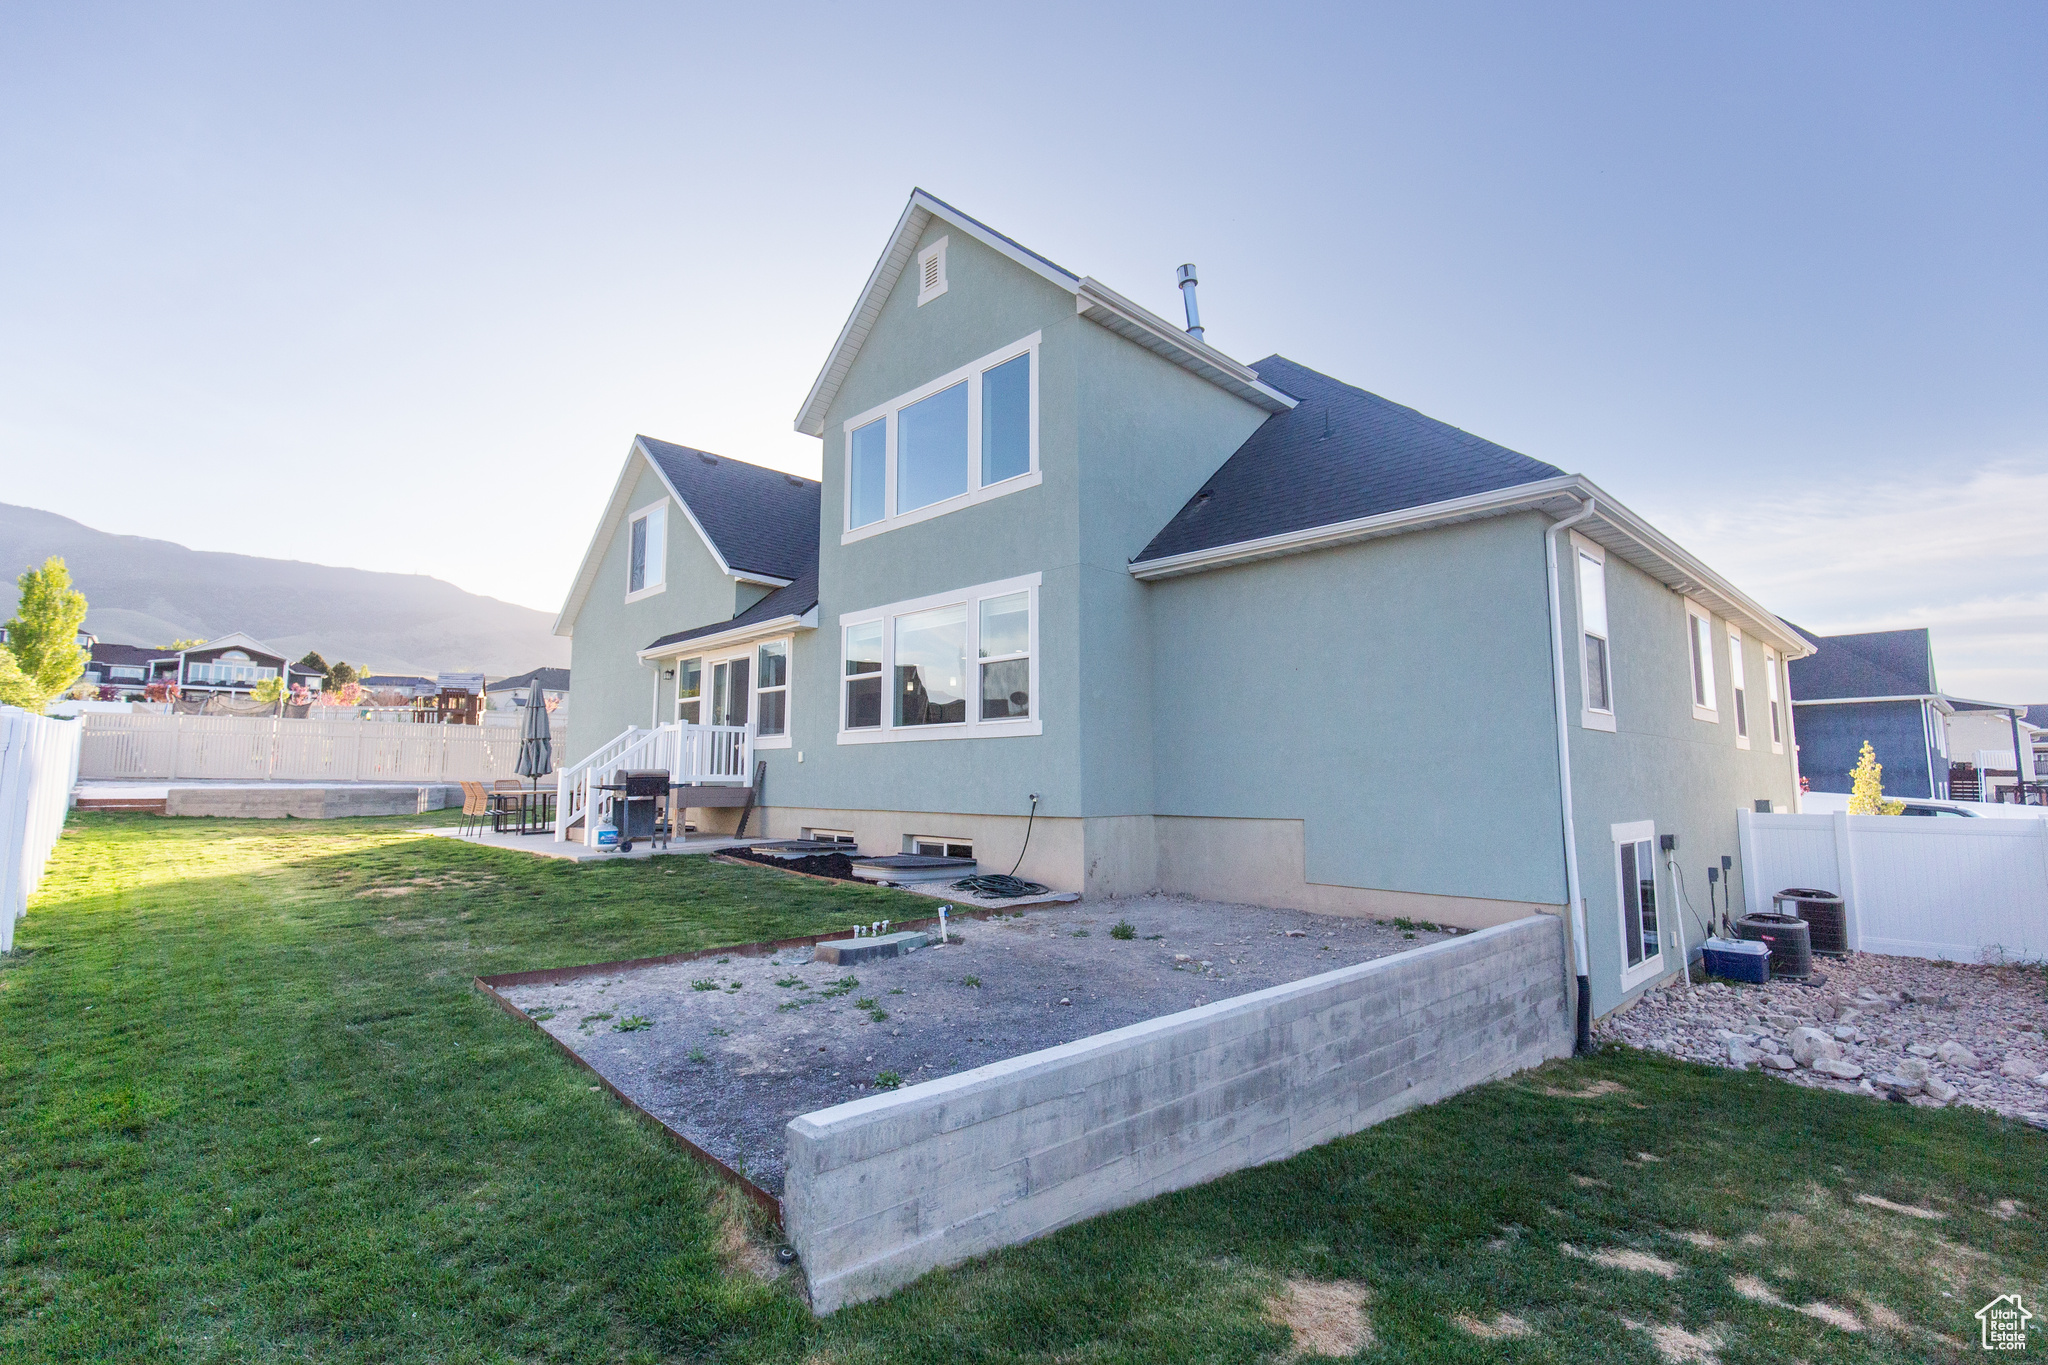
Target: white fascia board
[1093,301]
[1613,527]
[1940,703]
[1106,308]
[760,630]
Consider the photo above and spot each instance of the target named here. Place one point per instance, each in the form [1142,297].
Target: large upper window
[953,664]
[647,549]
[964,437]
[1596,672]
[1699,635]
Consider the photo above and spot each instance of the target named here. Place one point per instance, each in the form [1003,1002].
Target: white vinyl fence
[260,748]
[38,765]
[1915,886]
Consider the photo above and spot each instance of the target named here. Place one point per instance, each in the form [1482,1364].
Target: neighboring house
[1879,687]
[511,693]
[396,689]
[126,668]
[1075,576]
[1996,742]
[228,667]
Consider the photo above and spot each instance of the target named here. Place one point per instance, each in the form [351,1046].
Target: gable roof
[1876,663]
[757,521]
[547,679]
[759,524]
[786,605]
[1093,300]
[127,656]
[1340,454]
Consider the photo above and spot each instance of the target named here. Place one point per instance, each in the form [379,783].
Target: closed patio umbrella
[536,741]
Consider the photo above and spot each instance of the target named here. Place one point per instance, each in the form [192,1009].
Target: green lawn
[253,1110]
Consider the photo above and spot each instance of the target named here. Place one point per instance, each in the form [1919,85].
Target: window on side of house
[863,676]
[771,689]
[1771,694]
[965,436]
[647,551]
[1635,853]
[939,848]
[690,691]
[1699,630]
[954,664]
[1596,674]
[1738,687]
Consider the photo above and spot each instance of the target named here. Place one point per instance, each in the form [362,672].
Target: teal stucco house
[1235,630]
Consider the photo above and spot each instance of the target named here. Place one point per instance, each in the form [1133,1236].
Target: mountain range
[150,592]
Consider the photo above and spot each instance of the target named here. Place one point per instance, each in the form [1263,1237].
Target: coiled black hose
[1005,886]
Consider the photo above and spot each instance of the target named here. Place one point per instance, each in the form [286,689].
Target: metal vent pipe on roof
[1186,276]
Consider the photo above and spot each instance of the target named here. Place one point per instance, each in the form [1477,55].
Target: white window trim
[788,690]
[1738,686]
[1693,637]
[977,491]
[937,250]
[1774,689]
[652,566]
[973,727]
[1592,717]
[1637,831]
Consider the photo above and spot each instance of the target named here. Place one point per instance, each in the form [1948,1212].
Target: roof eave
[759,630]
[1106,308]
[1625,533]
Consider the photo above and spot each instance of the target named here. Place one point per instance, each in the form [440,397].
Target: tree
[16,688]
[1866,788]
[43,636]
[176,645]
[269,691]
[162,689]
[342,674]
[317,664]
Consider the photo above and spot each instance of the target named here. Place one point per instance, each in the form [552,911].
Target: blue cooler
[1738,960]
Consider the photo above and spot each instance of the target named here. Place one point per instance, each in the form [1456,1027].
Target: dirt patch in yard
[726,1051]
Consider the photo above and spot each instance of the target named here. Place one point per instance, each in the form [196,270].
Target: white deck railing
[718,755]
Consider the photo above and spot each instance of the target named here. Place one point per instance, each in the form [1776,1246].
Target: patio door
[730,679]
[1642,945]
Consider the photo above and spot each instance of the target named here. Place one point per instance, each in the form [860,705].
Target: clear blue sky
[394,286]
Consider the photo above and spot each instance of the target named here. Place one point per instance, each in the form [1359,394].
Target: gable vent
[931,272]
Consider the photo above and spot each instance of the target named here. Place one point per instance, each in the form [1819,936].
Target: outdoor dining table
[533,809]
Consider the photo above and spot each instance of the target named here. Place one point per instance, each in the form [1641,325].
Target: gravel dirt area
[1889,1027]
[727,1050]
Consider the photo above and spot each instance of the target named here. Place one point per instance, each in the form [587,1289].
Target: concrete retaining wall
[309,803]
[883,1189]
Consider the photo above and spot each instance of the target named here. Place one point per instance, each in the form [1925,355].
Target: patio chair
[475,807]
[499,806]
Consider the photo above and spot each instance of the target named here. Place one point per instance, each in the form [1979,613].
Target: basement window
[939,848]
[830,836]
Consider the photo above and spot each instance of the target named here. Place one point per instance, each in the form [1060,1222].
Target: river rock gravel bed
[726,1051]
[1928,1033]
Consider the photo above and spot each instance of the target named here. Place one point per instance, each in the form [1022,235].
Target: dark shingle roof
[1340,454]
[796,599]
[762,520]
[1877,663]
[125,655]
[2036,715]
[547,679]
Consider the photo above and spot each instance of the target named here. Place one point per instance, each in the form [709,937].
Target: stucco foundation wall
[881,1190]
[1262,862]
[1054,856]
